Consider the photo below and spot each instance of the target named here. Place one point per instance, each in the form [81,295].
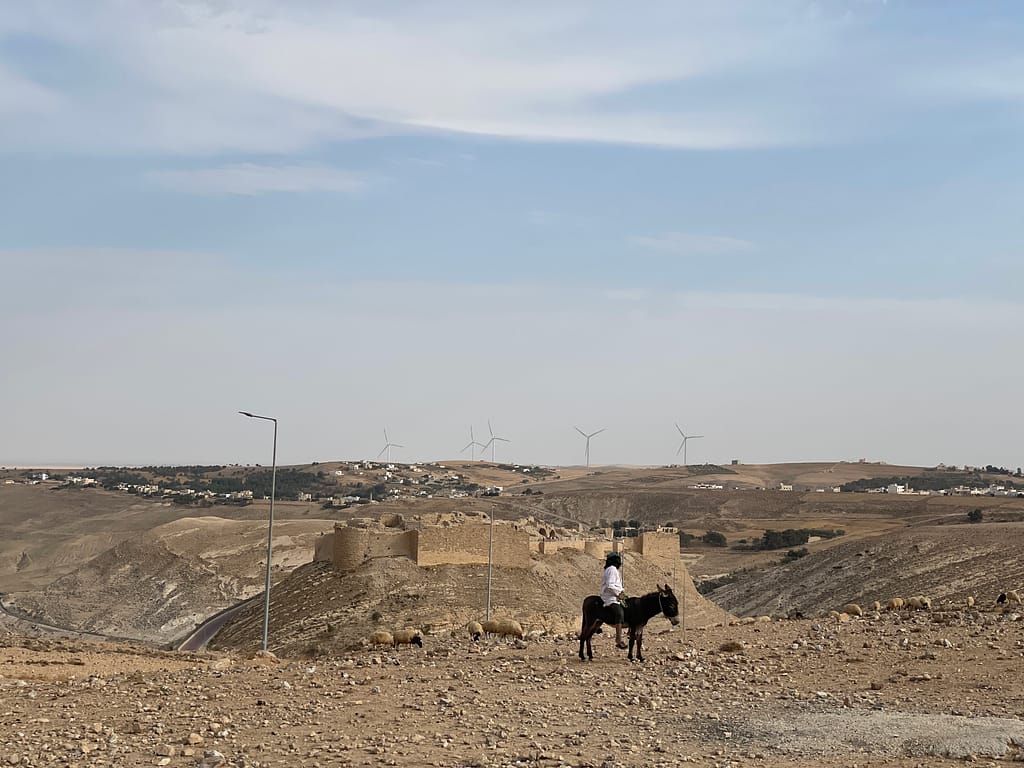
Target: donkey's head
[669,604]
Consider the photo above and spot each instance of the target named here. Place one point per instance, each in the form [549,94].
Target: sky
[793,228]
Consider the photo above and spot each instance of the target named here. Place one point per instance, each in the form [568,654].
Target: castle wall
[550,546]
[353,546]
[597,549]
[324,548]
[467,544]
[659,546]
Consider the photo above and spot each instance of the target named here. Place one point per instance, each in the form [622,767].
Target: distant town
[344,484]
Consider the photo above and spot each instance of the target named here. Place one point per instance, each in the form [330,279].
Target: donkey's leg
[639,644]
[585,636]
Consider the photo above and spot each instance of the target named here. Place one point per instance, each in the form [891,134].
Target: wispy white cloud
[690,244]
[253,179]
[272,77]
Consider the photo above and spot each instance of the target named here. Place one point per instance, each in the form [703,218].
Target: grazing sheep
[408,637]
[970,601]
[503,627]
[380,637]
[919,603]
[1009,596]
[895,604]
[876,606]
[475,630]
[852,609]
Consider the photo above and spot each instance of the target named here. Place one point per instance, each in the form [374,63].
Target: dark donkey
[639,610]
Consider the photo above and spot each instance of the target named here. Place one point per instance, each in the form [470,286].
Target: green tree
[714,539]
[975,516]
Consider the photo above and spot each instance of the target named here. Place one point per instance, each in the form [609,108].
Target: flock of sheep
[920,603]
[476,629]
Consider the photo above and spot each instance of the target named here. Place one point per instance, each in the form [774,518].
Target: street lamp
[270,527]
[490,562]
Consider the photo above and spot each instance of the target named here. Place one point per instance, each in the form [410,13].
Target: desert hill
[946,562]
[319,611]
[157,585]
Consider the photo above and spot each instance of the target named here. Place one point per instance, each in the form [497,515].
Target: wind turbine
[494,438]
[682,445]
[388,445]
[473,444]
[592,434]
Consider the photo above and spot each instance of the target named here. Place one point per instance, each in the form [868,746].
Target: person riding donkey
[613,595]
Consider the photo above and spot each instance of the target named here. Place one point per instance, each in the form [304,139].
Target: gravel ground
[917,690]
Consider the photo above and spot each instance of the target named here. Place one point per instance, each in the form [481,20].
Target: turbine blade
[680,430]
[503,439]
[680,448]
[382,451]
[581,431]
[468,445]
[598,431]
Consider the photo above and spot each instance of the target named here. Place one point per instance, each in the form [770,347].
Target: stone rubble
[900,691]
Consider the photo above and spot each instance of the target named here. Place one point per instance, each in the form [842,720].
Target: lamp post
[490,561]
[270,526]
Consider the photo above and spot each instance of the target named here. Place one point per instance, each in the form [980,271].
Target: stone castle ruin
[465,539]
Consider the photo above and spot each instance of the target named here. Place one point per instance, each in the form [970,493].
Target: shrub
[714,539]
[794,554]
[975,516]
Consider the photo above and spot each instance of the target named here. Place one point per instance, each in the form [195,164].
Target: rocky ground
[918,689]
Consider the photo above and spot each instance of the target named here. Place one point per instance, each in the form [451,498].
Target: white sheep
[895,604]
[475,630]
[970,601]
[852,609]
[503,627]
[407,637]
[1009,596]
[380,637]
[919,603]
[876,606]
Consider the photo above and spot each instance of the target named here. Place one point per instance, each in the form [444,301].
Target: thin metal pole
[270,527]
[270,541]
[490,560]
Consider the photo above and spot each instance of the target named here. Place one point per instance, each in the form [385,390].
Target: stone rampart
[468,544]
[597,549]
[659,546]
[550,546]
[353,546]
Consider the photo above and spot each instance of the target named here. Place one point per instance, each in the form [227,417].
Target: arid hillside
[945,562]
[320,611]
[159,585]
